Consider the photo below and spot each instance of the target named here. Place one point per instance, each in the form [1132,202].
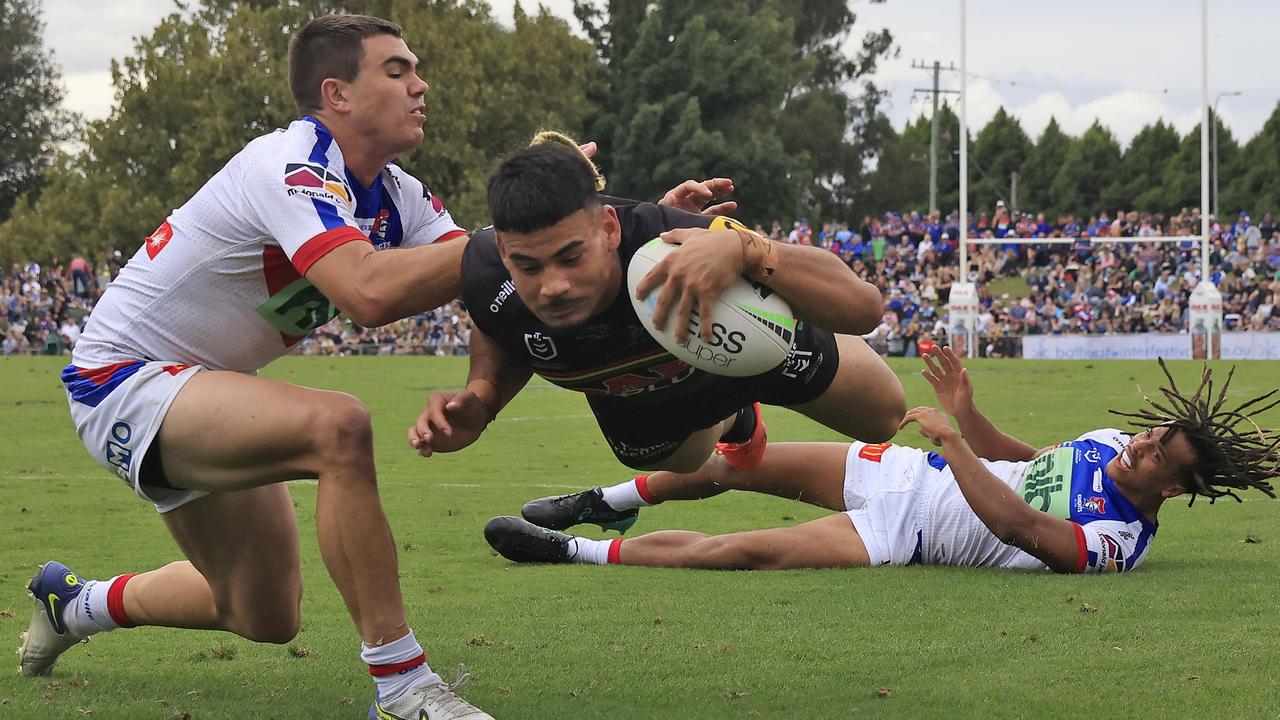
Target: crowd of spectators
[43,310]
[1062,277]
[1068,276]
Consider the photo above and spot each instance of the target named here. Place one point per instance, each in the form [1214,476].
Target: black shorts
[642,434]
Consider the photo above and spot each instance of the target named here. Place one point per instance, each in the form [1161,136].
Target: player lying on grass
[163,385]
[988,500]
[547,293]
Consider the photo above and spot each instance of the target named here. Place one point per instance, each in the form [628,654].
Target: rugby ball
[753,328]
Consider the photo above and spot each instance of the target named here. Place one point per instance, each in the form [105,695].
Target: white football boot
[432,701]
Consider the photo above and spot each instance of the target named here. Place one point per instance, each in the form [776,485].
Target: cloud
[89,93]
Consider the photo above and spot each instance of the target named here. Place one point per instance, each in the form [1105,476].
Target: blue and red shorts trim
[90,386]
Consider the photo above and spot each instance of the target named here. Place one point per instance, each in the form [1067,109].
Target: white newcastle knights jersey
[1069,482]
[222,282]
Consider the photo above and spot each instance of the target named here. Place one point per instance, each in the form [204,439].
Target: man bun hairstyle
[330,46]
[540,185]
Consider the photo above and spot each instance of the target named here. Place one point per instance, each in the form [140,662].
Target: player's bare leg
[239,437]
[829,542]
[809,472]
[865,399]
[694,451]
[270,432]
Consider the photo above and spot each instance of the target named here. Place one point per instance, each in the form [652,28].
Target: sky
[1126,63]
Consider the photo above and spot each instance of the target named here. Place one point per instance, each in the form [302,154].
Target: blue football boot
[53,589]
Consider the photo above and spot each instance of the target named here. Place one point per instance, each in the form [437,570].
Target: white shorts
[117,411]
[882,496]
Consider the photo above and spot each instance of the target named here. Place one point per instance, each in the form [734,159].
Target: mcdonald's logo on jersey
[873,452]
[298,176]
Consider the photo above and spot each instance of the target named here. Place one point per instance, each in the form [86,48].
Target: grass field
[1192,633]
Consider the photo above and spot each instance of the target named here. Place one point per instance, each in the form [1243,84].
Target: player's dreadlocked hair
[1233,453]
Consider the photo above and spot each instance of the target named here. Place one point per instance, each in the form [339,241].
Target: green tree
[1000,149]
[1137,185]
[201,85]
[32,121]
[1253,184]
[901,178]
[1089,165]
[1036,176]
[838,130]
[663,122]
[1180,179]
[768,104]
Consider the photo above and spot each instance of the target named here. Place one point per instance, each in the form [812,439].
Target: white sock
[626,495]
[399,651]
[88,614]
[594,552]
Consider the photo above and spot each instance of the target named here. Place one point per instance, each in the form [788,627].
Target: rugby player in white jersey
[301,224]
[988,500]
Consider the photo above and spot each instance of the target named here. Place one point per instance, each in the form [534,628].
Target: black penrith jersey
[611,355]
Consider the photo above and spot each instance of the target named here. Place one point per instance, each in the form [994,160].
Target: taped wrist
[759,256]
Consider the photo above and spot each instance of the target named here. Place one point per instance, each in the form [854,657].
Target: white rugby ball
[753,331]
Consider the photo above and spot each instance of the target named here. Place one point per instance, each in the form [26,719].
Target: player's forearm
[996,504]
[402,283]
[989,441]
[493,377]
[824,291]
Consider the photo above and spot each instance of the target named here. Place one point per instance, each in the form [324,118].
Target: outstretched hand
[449,422]
[693,196]
[934,425]
[949,378]
[693,277]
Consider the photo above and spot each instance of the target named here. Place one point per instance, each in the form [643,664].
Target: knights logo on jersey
[540,346]
[1092,504]
[378,231]
[315,181]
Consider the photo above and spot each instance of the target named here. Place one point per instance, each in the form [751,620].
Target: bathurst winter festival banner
[1147,346]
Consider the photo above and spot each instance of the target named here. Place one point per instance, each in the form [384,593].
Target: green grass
[1190,634]
[1015,287]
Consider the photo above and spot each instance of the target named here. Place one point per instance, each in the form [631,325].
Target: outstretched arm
[950,381]
[1057,543]
[454,420]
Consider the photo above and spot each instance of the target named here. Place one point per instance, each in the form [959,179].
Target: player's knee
[342,429]
[276,631]
[275,617]
[729,552]
[892,402]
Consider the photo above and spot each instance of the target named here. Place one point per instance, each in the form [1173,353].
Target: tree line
[764,91]
[1059,173]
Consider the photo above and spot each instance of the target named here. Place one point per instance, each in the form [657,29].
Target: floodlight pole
[1204,317]
[964,145]
[1216,202]
[1204,140]
[963,302]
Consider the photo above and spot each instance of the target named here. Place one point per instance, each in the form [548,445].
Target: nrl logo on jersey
[540,346]
[315,181]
